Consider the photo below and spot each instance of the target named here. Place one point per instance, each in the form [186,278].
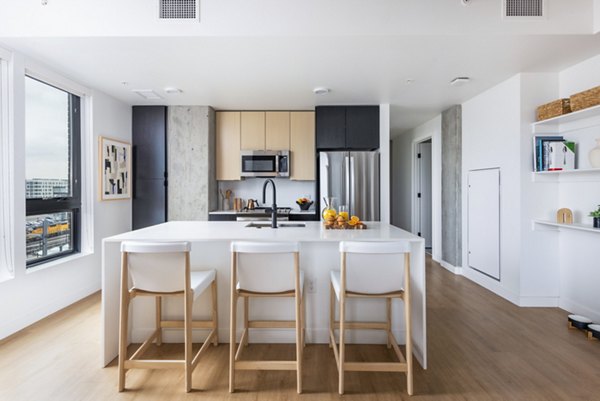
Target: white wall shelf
[560,226]
[577,175]
[568,122]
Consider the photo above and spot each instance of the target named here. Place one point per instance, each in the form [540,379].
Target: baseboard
[539,302]
[451,268]
[46,310]
[491,285]
[577,308]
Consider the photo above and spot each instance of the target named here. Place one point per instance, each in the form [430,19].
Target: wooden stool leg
[123,322]
[232,323]
[408,317]
[342,347]
[299,336]
[303,321]
[331,313]
[246,313]
[158,320]
[215,313]
[188,341]
[388,303]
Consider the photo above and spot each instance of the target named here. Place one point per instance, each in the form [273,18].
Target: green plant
[595,213]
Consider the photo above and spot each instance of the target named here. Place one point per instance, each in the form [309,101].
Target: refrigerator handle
[347,174]
[352,180]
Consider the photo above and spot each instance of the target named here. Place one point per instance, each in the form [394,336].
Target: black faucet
[274,206]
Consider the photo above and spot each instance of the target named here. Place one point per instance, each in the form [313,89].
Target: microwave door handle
[277,164]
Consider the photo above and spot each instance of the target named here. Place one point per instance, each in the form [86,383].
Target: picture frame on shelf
[114,168]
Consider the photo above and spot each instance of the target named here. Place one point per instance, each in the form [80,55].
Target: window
[52,171]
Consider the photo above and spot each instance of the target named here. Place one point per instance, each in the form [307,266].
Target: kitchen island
[319,253]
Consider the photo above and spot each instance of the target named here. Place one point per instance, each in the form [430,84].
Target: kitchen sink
[280,225]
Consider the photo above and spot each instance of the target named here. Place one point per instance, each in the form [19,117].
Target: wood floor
[480,348]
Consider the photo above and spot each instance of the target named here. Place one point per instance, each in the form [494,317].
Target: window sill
[58,262]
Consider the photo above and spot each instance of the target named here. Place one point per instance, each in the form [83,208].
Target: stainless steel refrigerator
[352,178]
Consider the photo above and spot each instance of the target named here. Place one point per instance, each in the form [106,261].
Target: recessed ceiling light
[458,81]
[172,90]
[124,83]
[321,90]
[410,81]
[147,94]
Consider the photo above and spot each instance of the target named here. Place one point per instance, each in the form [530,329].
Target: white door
[424,208]
[484,221]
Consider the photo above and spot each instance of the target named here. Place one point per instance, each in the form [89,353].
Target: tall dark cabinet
[347,127]
[149,165]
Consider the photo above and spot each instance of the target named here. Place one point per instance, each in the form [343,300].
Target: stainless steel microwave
[265,163]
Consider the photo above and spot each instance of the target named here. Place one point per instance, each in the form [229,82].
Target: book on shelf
[553,153]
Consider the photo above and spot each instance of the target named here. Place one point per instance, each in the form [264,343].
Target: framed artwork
[115,169]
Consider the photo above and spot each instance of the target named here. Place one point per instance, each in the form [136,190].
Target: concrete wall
[191,162]
[451,186]
[30,295]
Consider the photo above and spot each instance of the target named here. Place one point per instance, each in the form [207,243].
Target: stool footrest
[153,364]
[266,365]
[362,325]
[271,324]
[178,324]
[375,367]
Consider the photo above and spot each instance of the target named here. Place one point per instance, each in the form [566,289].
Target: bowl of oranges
[340,221]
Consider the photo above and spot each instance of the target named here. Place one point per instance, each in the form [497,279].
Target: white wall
[402,177]
[32,295]
[580,274]
[491,137]
[596,16]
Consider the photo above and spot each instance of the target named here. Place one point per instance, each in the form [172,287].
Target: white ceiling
[269,65]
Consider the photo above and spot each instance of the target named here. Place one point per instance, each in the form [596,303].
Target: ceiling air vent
[178,9]
[523,9]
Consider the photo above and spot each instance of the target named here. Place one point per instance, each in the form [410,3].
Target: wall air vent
[179,9]
[523,9]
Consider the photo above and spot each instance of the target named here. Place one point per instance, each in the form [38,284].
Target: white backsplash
[287,190]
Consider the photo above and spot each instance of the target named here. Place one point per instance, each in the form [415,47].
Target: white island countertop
[228,230]
[319,253]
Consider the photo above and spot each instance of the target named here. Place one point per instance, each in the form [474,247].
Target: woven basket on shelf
[585,99]
[553,109]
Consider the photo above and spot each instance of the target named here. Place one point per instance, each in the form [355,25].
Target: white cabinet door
[484,221]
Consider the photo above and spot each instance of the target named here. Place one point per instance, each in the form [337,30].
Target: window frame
[72,203]
[7,270]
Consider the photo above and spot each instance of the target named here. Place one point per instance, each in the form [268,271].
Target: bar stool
[265,269]
[158,270]
[369,270]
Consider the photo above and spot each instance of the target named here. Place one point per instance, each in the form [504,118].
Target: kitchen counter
[319,253]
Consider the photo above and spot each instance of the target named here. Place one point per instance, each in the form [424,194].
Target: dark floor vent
[178,9]
[524,8]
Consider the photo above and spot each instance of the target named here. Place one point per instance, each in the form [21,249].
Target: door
[253,130]
[362,127]
[363,185]
[424,197]
[484,221]
[302,145]
[149,137]
[277,130]
[331,127]
[228,145]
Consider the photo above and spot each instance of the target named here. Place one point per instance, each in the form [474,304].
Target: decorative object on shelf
[541,150]
[553,109]
[115,169]
[596,215]
[564,216]
[594,155]
[585,99]
[578,322]
[561,156]
[594,332]
[304,203]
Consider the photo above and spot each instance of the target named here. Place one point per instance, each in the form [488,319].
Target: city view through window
[48,168]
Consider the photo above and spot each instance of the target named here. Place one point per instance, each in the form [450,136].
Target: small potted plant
[304,203]
[596,215]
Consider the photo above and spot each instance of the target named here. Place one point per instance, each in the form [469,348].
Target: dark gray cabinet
[347,127]
[149,137]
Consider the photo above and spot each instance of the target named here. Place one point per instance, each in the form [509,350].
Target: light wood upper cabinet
[302,145]
[253,130]
[228,145]
[277,130]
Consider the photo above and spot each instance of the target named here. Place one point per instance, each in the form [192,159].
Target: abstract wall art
[115,169]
